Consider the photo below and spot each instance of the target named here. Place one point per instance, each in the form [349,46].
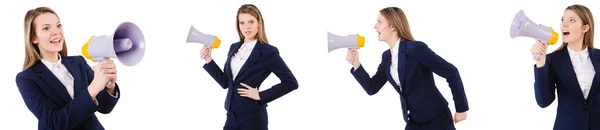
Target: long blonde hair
[32,51]
[397,19]
[254,12]
[586,19]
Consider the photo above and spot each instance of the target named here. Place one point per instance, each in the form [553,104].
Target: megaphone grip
[536,56]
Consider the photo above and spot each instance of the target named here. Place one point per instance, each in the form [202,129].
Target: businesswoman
[571,71]
[63,92]
[248,64]
[409,66]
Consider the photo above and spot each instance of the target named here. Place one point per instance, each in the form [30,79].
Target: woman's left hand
[249,92]
[109,69]
[460,116]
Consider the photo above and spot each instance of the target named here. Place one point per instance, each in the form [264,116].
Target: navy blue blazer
[263,60]
[574,111]
[416,65]
[48,99]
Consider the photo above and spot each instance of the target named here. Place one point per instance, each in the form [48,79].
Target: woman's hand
[109,69]
[206,53]
[540,48]
[352,56]
[249,92]
[460,116]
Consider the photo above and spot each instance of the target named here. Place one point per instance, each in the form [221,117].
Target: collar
[573,53]
[248,45]
[51,64]
[394,49]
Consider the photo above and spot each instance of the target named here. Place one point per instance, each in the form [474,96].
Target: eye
[45,28]
[251,21]
[59,25]
[572,21]
[241,22]
[561,20]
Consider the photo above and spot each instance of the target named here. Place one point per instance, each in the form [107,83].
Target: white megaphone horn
[195,36]
[127,44]
[524,27]
[355,41]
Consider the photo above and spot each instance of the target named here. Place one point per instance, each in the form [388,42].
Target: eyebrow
[569,17]
[49,24]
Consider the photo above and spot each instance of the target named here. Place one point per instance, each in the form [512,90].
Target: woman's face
[248,25]
[49,33]
[572,27]
[384,29]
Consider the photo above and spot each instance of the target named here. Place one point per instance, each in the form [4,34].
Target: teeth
[55,40]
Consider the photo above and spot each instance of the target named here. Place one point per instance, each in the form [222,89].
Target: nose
[375,26]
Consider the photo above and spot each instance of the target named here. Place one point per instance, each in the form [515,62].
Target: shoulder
[25,74]
[411,45]
[78,59]
[270,48]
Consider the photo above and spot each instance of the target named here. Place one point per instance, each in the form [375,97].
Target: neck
[49,56]
[576,45]
[249,40]
[392,41]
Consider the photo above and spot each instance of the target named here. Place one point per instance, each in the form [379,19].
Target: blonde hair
[32,51]
[253,11]
[586,19]
[397,19]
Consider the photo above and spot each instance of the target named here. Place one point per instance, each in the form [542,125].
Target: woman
[408,66]
[248,64]
[63,92]
[571,70]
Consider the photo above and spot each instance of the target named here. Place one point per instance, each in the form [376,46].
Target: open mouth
[56,41]
[566,33]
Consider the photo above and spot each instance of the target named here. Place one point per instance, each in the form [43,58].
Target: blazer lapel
[569,73]
[594,56]
[76,73]
[401,63]
[251,59]
[53,83]
[227,67]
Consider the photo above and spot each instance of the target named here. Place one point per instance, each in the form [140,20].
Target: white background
[169,89]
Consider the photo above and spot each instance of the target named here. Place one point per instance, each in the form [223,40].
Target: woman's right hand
[353,56]
[99,82]
[206,52]
[540,48]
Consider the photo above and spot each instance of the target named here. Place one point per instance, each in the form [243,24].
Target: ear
[35,40]
[585,28]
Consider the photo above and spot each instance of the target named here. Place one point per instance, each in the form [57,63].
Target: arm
[371,85]
[444,69]
[217,74]
[288,81]
[544,85]
[51,115]
[106,100]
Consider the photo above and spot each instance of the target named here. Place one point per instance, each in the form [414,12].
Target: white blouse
[238,60]
[582,64]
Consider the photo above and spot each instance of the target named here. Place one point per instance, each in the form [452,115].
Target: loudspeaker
[195,36]
[127,44]
[522,26]
[349,41]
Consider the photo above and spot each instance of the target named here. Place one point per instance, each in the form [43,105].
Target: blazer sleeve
[106,101]
[48,113]
[371,85]
[544,84]
[443,68]
[288,81]
[216,73]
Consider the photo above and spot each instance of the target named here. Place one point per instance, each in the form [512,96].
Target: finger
[109,71]
[242,90]
[242,93]
[245,85]
[110,75]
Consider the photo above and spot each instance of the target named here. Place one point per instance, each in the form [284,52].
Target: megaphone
[524,27]
[126,44]
[195,36]
[355,41]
